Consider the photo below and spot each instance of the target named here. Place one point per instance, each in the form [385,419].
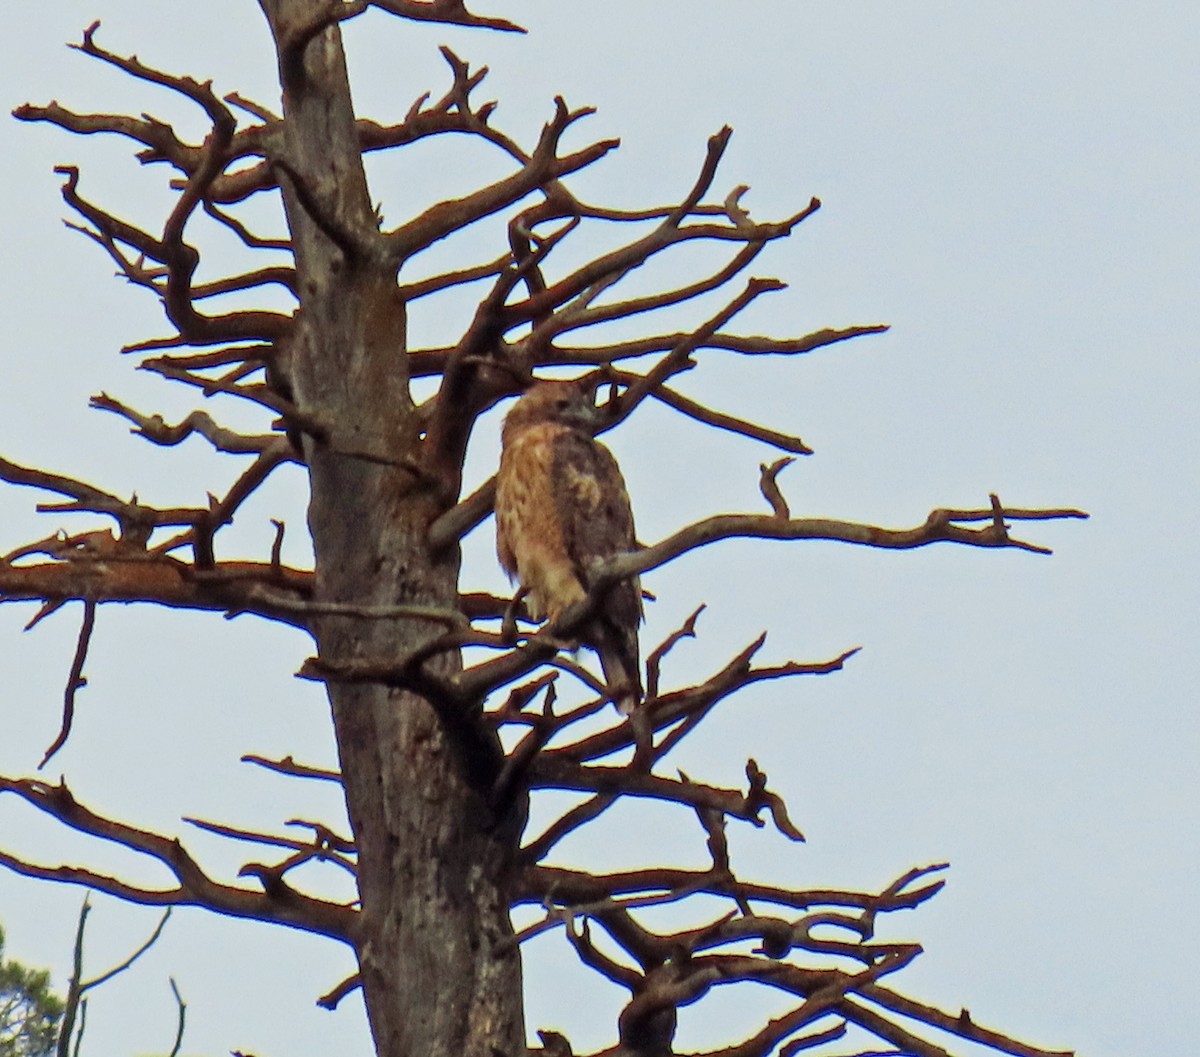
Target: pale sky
[1013,188]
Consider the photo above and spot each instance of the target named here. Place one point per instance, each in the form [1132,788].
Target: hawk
[561,505]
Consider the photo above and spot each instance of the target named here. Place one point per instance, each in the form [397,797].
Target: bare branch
[453,12]
[709,417]
[181,1023]
[425,362]
[135,519]
[77,987]
[690,704]
[324,847]
[677,359]
[220,513]
[254,109]
[72,1004]
[199,93]
[179,259]
[775,1031]
[746,346]
[589,281]
[75,681]
[122,966]
[232,355]
[289,766]
[548,772]
[423,288]
[942,526]
[450,618]
[654,661]
[580,815]
[576,317]
[514,772]
[543,166]
[768,483]
[253,241]
[347,987]
[46,609]
[960,1024]
[581,940]
[456,522]
[154,429]
[231,587]
[263,395]
[194,888]
[282,276]
[159,138]
[889,1031]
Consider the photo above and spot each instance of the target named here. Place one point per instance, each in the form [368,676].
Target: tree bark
[440,973]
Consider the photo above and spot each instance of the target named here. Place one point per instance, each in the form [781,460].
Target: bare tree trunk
[439,970]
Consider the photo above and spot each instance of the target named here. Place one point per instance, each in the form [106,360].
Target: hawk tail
[622,670]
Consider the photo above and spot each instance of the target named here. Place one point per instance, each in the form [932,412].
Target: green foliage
[29,1011]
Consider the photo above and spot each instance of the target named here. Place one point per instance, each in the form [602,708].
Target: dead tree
[437,876]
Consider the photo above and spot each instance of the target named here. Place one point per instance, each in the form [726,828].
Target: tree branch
[75,681]
[154,429]
[961,1024]
[453,12]
[230,587]
[941,526]
[550,773]
[324,847]
[544,165]
[290,767]
[426,362]
[195,887]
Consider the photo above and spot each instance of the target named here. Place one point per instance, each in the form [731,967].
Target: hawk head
[569,403]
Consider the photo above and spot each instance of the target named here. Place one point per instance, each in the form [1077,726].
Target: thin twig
[182,1018]
[75,680]
[121,967]
[346,987]
[687,630]
[290,767]
[769,485]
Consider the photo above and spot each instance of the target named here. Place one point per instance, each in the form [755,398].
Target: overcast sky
[1012,187]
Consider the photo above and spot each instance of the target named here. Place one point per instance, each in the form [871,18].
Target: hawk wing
[594,511]
[596,521]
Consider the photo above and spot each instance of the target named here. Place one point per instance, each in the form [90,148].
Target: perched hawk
[561,504]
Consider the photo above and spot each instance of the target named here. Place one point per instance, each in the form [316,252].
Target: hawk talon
[508,623]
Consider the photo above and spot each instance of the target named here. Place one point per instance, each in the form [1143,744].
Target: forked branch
[677,967]
[194,887]
[544,166]
[941,526]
